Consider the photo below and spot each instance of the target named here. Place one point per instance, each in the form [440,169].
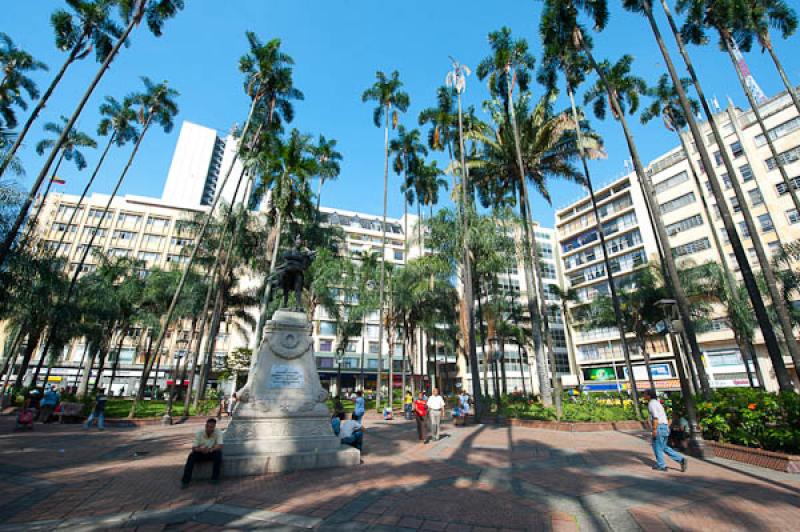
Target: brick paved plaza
[478,478]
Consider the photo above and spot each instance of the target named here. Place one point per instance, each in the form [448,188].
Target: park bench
[70,411]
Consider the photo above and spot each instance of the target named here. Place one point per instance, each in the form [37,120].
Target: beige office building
[631,243]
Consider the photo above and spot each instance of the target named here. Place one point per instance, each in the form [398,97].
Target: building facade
[690,216]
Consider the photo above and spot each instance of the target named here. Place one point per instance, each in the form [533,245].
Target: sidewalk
[477,478]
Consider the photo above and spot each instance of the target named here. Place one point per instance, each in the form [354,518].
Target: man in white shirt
[351,433]
[207,447]
[658,419]
[435,408]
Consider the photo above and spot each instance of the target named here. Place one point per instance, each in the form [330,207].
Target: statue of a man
[291,271]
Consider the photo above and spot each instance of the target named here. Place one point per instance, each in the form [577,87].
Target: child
[387,413]
[458,415]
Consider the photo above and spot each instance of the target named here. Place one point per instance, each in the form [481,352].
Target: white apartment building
[631,242]
[199,164]
[518,362]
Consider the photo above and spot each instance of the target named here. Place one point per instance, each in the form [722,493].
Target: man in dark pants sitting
[207,446]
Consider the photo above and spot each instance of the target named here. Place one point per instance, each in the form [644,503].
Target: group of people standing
[428,411]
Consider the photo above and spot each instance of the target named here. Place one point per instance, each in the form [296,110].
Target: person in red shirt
[421,416]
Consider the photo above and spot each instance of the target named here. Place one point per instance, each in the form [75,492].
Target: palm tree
[155,13]
[87,25]
[422,185]
[156,105]
[120,120]
[327,162]
[724,17]
[742,259]
[70,151]
[510,65]
[763,15]
[443,120]
[389,99]
[268,83]
[457,80]
[14,65]
[408,151]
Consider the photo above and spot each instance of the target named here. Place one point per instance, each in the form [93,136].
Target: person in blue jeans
[360,407]
[658,419]
[99,411]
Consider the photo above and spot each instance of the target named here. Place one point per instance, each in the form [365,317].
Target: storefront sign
[600,374]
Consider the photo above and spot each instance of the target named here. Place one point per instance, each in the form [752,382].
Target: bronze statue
[289,275]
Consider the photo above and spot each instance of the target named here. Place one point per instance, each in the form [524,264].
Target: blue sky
[337,47]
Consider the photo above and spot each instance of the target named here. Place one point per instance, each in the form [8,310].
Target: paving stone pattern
[476,478]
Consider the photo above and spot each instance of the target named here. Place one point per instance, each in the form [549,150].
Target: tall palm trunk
[606,262]
[14,230]
[33,341]
[548,338]
[182,282]
[265,299]
[466,210]
[759,308]
[73,54]
[211,344]
[118,351]
[766,42]
[121,178]
[545,390]
[381,294]
[673,282]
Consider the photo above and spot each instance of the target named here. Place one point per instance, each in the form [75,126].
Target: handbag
[26,417]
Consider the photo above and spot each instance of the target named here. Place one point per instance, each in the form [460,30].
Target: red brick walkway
[477,478]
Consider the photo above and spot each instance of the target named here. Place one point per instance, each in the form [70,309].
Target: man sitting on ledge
[207,446]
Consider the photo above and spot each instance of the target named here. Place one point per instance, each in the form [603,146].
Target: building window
[548,271]
[671,182]
[130,221]
[789,156]
[373,331]
[783,189]
[157,224]
[737,150]
[325,362]
[149,256]
[684,225]
[755,197]
[351,347]
[373,348]
[398,254]
[779,131]
[766,223]
[327,328]
[326,346]
[152,241]
[96,214]
[123,235]
[691,247]
[677,203]
[545,251]
[746,172]
[793,216]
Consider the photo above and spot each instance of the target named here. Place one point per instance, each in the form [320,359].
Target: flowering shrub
[751,417]
[593,407]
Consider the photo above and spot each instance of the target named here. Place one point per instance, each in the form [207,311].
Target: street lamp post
[522,353]
[339,358]
[672,326]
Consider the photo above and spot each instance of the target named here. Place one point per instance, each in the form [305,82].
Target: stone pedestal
[281,422]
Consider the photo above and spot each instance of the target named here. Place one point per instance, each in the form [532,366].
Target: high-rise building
[681,187]
[199,164]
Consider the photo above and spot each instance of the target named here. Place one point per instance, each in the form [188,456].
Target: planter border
[579,426]
[786,463]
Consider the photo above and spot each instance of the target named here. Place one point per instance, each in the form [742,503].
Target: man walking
[360,406]
[658,419]
[99,411]
[435,409]
[207,447]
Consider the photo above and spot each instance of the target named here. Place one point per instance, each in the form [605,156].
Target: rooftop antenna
[751,82]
